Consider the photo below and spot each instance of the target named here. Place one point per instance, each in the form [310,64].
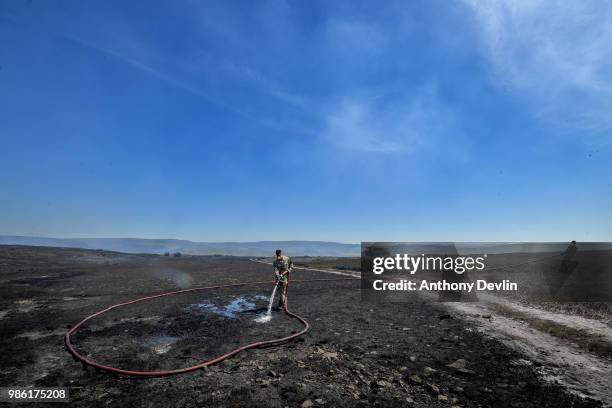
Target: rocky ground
[356,354]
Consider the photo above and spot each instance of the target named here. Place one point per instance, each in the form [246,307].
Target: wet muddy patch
[160,344]
[231,308]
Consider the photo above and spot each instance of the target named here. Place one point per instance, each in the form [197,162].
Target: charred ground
[355,354]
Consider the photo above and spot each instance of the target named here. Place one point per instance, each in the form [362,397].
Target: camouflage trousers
[282,291]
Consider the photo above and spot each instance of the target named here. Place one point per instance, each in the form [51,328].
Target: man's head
[279,253]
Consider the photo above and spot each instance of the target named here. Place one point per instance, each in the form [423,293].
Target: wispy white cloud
[555,55]
[384,126]
[354,125]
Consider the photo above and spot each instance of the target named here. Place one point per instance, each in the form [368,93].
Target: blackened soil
[356,354]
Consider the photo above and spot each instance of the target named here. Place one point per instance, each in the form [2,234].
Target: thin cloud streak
[186,87]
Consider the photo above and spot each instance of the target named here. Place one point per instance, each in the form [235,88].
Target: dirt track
[355,355]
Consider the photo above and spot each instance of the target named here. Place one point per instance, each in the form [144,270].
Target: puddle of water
[232,309]
[160,344]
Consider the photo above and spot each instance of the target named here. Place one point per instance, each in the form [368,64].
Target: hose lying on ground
[87,362]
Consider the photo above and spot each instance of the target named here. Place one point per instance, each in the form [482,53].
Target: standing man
[282,266]
[567,263]
[557,280]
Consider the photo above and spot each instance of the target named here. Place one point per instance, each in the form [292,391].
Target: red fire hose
[86,362]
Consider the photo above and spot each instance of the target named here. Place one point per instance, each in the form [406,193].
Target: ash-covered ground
[356,354]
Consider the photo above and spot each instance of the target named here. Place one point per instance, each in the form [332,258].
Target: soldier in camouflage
[282,266]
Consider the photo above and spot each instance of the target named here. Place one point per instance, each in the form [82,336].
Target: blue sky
[343,121]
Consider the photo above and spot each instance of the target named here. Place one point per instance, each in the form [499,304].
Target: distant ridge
[158,246]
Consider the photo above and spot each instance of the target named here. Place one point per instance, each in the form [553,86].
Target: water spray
[268,316]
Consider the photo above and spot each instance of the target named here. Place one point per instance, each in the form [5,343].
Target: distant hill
[158,246]
[465,248]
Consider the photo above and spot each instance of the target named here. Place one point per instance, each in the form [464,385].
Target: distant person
[568,256]
[557,280]
[282,266]
[571,250]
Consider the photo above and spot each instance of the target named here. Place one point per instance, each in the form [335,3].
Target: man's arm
[289,267]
